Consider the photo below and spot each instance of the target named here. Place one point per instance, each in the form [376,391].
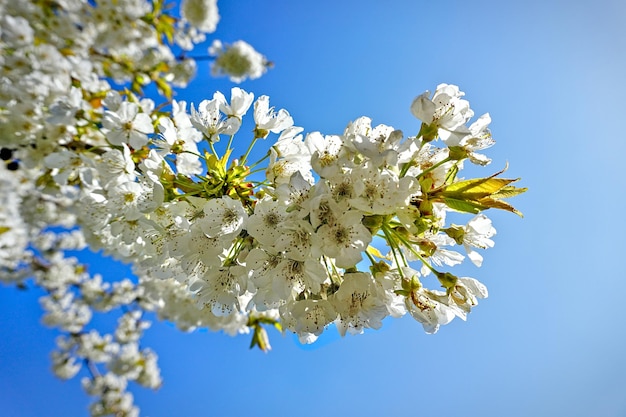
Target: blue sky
[548,341]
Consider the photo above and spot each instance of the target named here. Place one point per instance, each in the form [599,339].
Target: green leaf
[463,205]
[478,194]
[508,191]
[499,204]
[476,188]
[451,174]
[4,229]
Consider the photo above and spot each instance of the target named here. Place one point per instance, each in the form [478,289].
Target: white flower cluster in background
[344,229]
[237,61]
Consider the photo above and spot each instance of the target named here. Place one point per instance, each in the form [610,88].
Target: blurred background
[548,341]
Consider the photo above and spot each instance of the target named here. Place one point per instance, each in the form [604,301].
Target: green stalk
[389,237]
[257,170]
[230,142]
[267,155]
[408,245]
[213,149]
[245,157]
[437,165]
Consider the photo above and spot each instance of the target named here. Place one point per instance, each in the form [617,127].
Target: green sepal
[457,153]
[410,285]
[260,337]
[428,132]
[426,183]
[455,232]
[373,223]
[375,252]
[447,279]
[215,166]
[261,133]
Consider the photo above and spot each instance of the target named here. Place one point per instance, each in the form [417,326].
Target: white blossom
[358,304]
[477,234]
[308,318]
[223,217]
[202,14]
[345,240]
[267,119]
[127,125]
[240,102]
[265,224]
[238,61]
[209,120]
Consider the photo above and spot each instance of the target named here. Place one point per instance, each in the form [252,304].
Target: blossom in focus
[446,111]
[426,307]
[240,102]
[358,304]
[345,240]
[309,318]
[208,119]
[127,125]
[223,217]
[267,120]
[478,233]
[478,139]
[465,292]
[180,142]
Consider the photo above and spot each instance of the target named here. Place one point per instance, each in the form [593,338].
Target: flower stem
[267,155]
[408,245]
[213,149]
[245,157]
[390,237]
[230,142]
[437,165]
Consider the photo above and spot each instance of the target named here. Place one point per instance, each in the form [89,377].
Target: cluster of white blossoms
[238,61]
[321,230]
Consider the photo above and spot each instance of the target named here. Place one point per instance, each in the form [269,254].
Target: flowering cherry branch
[343,229]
